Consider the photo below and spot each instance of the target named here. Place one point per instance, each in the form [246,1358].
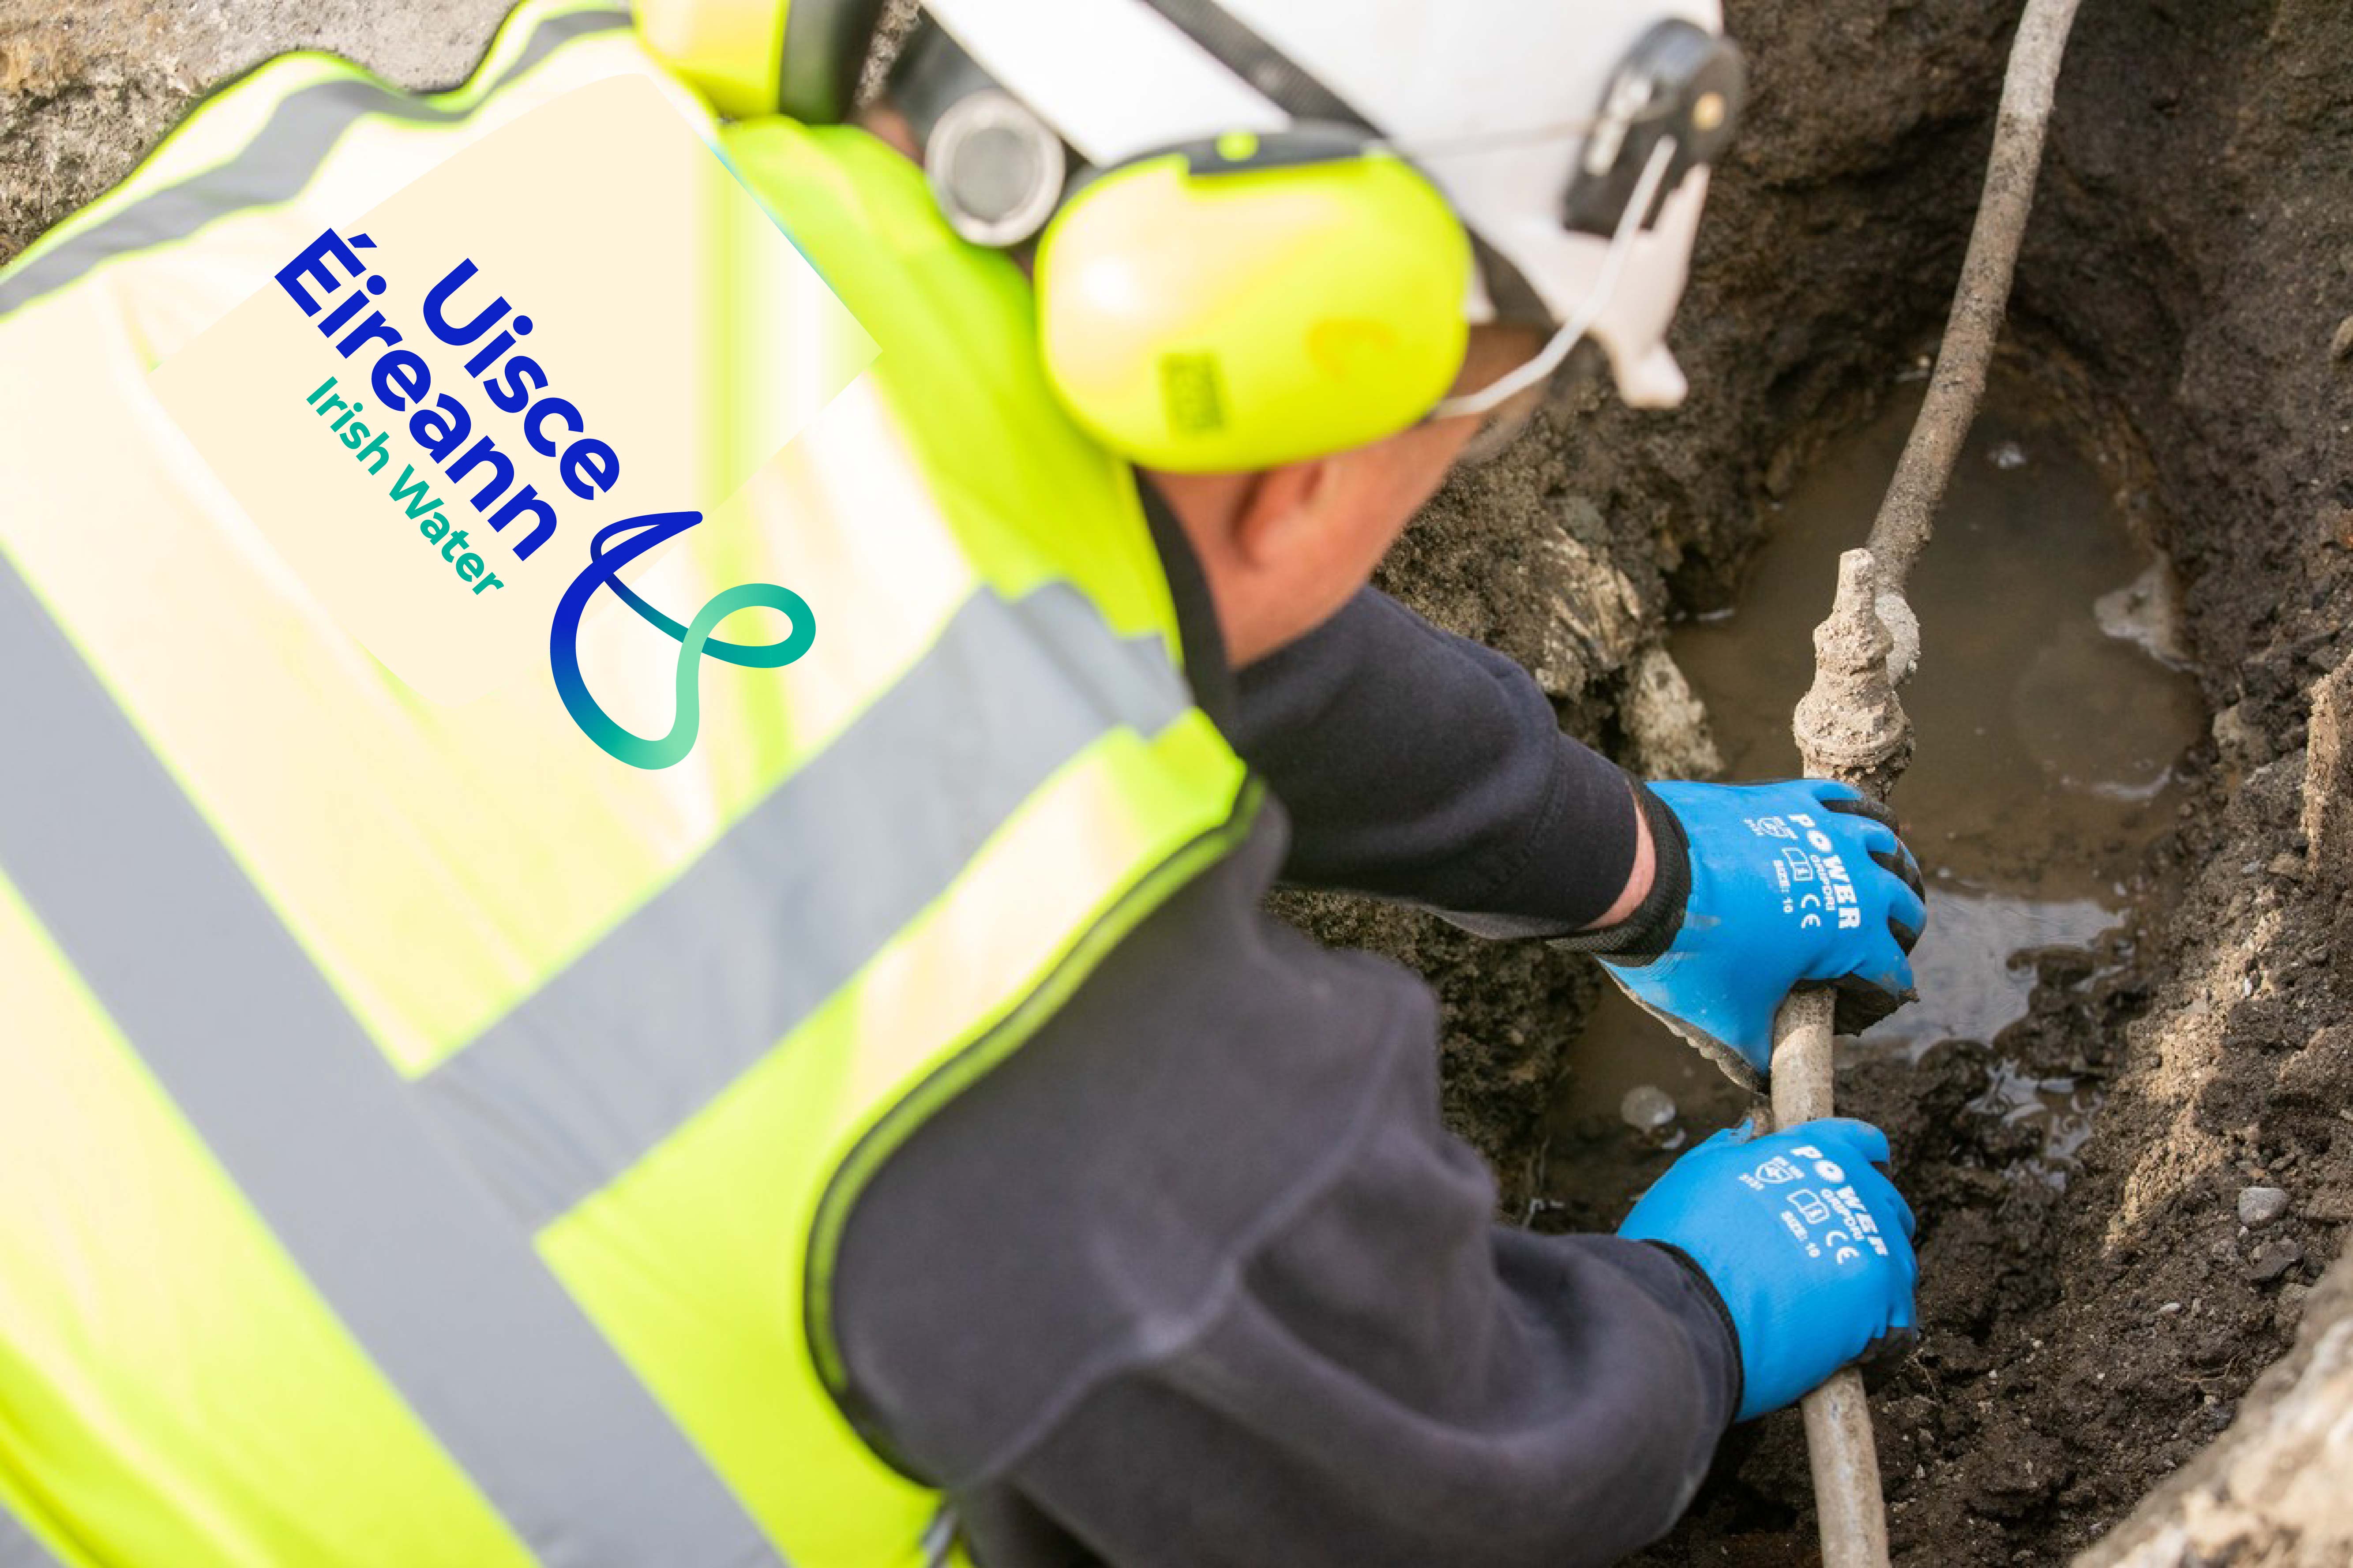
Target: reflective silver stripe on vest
[437,1283]
[661,1015]
[19,1547]
[274,167]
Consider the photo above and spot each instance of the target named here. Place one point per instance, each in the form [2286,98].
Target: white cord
[1469,143]
[1548,358]
[939,1538]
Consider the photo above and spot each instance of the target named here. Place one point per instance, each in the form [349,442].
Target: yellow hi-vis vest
[423,1140]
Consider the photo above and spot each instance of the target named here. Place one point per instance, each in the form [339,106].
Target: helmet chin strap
[1597,300]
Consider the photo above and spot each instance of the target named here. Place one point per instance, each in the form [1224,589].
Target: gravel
[2261,1205]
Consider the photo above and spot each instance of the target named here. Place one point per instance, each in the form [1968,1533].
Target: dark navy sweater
[1196,1277]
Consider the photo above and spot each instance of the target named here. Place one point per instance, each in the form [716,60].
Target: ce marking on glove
[1810,859]
[1807,1210]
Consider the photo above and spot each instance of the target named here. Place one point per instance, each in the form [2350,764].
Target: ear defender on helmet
[1253,300]
[796,57]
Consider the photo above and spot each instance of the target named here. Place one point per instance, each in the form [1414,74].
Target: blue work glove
[1807,1244]
[1761,887]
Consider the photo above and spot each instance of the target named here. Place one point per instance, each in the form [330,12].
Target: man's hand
[1758,888]
[1806,1243]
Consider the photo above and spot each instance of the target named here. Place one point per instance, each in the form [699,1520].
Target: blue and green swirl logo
[628,539]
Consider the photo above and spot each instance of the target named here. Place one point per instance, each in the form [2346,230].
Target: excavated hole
[2057,715]
[2052,711]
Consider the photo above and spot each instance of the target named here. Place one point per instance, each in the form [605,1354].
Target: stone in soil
[2261,1205]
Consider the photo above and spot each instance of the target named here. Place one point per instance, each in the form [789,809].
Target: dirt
[86,89]
[2188,268]
[2186,274]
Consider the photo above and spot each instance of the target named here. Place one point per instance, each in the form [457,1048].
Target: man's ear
[1283,513]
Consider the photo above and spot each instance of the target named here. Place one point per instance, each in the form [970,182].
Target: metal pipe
[1908,513]
[1850,727]
[1839,1445]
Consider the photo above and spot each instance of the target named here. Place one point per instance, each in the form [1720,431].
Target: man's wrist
[1645,923]
[1638,880]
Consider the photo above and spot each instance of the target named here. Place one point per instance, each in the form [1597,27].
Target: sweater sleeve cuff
[1577,857]
[1702,1289]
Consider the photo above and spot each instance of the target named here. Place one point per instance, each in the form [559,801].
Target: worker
[896,1134]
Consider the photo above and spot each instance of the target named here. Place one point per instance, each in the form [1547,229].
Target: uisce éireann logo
[694,639]
[588,467]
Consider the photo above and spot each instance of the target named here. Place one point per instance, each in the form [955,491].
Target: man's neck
[1206,666]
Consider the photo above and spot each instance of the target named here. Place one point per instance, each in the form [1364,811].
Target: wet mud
[2052,712]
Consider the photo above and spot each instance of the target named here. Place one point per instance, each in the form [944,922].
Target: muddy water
[2049,720]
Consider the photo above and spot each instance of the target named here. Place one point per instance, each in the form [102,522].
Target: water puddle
[2050,711]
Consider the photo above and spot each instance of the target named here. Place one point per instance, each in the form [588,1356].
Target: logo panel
[460,414]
